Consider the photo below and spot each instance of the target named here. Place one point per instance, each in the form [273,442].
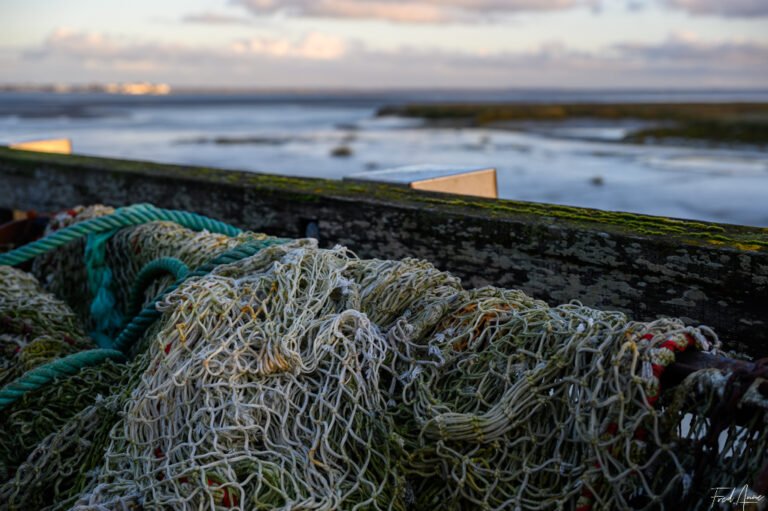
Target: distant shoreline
[713,118]
[65,88]
[728,122]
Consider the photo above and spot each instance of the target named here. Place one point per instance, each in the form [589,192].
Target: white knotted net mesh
[307,378]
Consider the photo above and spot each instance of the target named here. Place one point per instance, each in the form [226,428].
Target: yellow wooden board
[53,145]
[478,182]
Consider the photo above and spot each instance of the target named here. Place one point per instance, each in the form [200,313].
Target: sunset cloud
[392,43]
[728,8]
[682,60]
[120,51]
[319,59]
[313,46]
[419,11]
[215,18]
[686,48]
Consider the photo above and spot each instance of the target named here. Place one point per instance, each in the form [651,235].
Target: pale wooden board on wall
[52,145]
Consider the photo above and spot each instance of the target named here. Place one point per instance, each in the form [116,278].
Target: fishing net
[36,326]
[307,378]
[64,271]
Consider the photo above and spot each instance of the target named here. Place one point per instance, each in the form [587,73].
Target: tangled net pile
[307,378]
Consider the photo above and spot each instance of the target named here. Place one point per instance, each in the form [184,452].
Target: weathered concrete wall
[646,266]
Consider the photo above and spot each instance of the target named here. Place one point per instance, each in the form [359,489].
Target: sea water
[575,163]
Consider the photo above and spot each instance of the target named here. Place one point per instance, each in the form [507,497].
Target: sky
[374,44]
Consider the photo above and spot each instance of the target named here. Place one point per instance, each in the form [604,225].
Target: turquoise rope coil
[104,313]
[122,217]
[46,373]
[144,319]
[148,274]
[99,230]
[69,365]
[106,316]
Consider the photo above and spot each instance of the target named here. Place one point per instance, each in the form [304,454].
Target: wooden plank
[476,182]
[53,145]
[714,274]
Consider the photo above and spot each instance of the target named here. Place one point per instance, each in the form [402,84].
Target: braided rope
[123,217]
[149,314]
[151,271]
[99,230]
[104,313]
[44,374]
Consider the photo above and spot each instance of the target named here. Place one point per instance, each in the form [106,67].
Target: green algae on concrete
[314,189]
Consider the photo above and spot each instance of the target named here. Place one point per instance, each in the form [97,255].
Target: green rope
[139,324]
[103,309]
[148,274]
[69,365]
[122,217]
[44,374]
[106,316]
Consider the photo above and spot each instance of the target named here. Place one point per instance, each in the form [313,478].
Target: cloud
[95,48]
[121,51]
[215,18]
[680,61]
[313,46]
[70,42]
[728,8]
[324,60]
[419,11]
[635,5]
[686,50]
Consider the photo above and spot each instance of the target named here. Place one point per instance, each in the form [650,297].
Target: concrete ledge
[646,266]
